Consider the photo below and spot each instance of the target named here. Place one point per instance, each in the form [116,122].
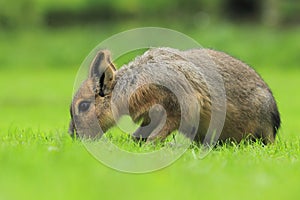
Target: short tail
[275,120]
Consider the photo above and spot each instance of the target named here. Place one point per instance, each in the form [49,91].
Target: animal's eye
[84,106]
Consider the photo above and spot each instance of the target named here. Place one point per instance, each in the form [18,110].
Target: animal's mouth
[72,130]
[82,132]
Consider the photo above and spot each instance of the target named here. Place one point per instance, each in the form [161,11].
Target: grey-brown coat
[251,110]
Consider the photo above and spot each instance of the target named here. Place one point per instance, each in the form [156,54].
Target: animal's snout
[72,128]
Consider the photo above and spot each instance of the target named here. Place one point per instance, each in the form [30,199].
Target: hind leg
[266,134]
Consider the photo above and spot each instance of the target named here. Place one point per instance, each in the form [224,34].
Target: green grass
[40,161]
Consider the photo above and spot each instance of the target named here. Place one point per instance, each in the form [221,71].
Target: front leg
[153,123]
[143,132]
[163,132]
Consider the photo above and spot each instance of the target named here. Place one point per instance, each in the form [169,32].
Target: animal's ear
[102,71]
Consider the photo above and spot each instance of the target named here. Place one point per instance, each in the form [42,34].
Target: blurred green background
[42,44]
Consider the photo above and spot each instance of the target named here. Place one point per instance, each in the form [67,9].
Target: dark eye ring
[84,106]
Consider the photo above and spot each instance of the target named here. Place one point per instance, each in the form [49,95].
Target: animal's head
[90,107]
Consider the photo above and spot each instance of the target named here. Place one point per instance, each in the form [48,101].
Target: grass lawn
[40,161]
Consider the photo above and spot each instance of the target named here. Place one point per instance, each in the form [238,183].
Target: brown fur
[251,110]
